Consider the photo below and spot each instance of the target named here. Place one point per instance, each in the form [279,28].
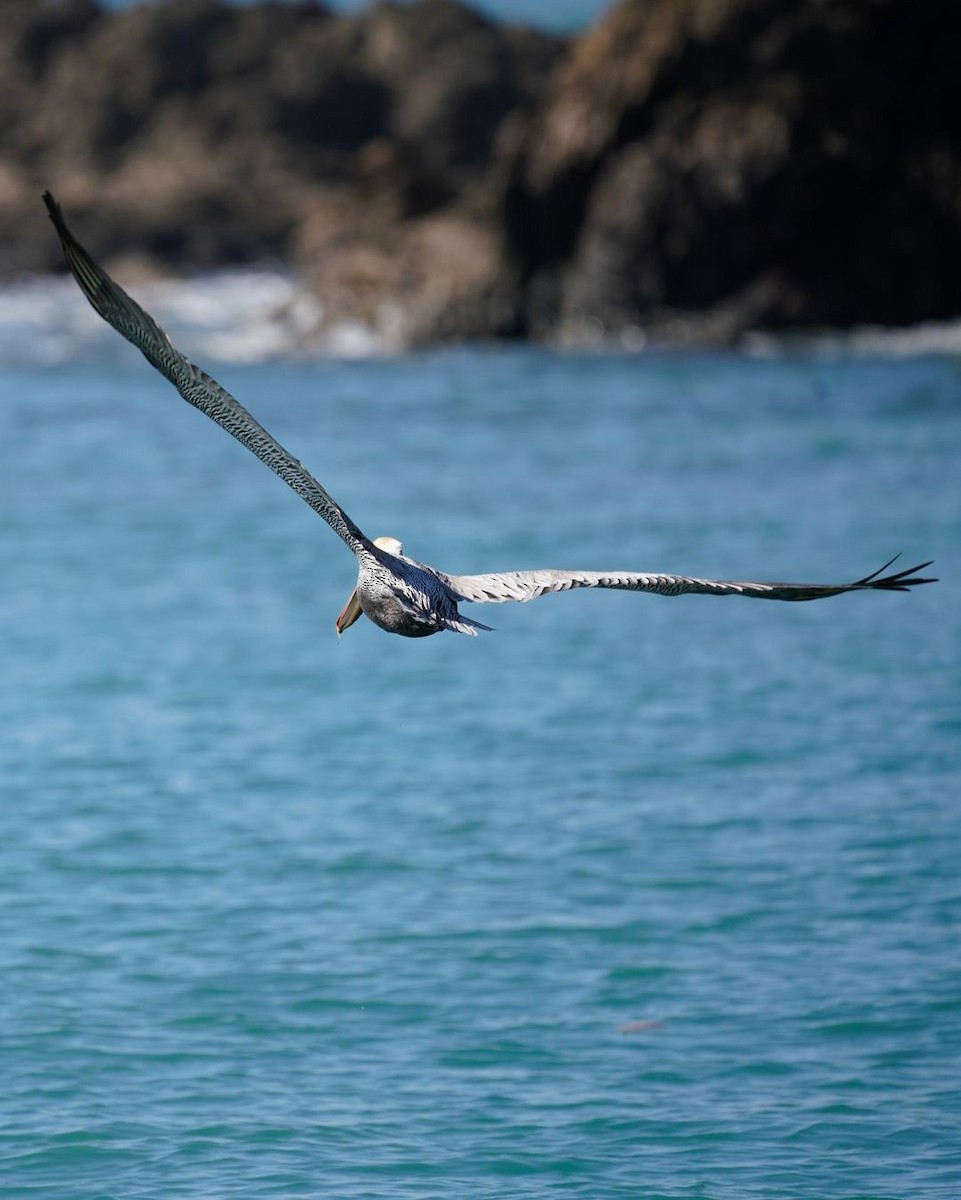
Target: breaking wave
[241,316]
[255,315]
[936,339]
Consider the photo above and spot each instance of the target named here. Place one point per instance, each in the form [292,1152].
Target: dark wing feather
[528,585]
[196,387]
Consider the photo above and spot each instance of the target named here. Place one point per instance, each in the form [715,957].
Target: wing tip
[55,212]
[898,581]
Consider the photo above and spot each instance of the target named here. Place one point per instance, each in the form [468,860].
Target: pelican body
[397,593]
[403,596]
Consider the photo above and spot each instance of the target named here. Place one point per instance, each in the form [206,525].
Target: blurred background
[676,171]
[634,897]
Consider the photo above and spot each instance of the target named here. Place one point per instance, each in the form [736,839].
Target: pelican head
[352,609]
[391,545]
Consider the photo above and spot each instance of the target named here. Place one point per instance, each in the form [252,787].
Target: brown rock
[202,132]
[426,279]
[720,164]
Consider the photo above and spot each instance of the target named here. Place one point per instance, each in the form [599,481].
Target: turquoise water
[635,897]
[560,15]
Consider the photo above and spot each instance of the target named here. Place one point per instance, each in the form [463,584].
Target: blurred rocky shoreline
[682,172]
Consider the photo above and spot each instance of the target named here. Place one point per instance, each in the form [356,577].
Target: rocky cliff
[686,169]
[701,166]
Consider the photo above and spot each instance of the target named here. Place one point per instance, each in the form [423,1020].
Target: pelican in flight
[398,593]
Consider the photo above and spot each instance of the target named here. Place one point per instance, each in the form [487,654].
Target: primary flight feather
[398,593]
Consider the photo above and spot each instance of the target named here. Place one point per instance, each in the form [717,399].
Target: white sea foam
[228,316]
[250,316]
[929,339]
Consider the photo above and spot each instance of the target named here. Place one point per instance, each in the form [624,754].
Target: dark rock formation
[196,133]
[686,169]
[703,166]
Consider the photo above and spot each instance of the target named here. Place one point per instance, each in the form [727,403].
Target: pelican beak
[349,613]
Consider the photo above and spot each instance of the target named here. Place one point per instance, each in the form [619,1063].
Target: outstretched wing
[196,387]
[528,585]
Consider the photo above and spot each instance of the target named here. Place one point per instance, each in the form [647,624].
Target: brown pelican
[396,592]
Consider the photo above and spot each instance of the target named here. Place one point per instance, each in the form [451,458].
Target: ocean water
[634,897]
[562,16]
